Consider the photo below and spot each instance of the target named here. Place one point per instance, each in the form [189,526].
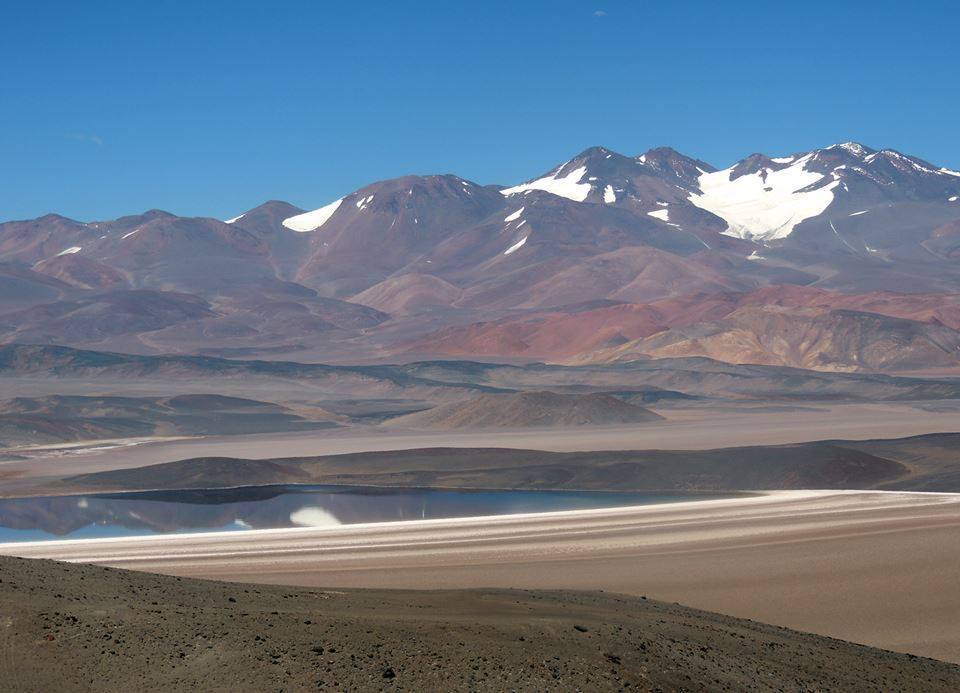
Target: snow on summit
[568,186]
[854,148]
[768,204]
[311,221]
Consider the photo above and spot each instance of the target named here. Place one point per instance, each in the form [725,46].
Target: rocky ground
[76,627]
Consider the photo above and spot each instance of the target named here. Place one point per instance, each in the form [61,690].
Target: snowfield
[569,186]
[766,205]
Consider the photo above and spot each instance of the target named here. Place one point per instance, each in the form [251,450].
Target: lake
[268,507]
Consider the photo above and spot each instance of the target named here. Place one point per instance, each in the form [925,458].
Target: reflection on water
[263,507]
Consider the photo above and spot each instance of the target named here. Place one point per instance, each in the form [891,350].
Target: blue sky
[209,108]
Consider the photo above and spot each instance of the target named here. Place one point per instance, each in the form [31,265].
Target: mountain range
[844,258]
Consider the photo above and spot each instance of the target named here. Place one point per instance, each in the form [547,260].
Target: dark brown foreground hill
[75,627]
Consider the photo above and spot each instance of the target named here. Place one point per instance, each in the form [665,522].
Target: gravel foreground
[79,627]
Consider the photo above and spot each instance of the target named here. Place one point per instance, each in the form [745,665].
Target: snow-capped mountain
[766,199]
[601,175]
[400,256]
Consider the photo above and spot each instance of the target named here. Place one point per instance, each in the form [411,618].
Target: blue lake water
[164,512]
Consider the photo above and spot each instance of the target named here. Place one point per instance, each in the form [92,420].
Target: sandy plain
[686,429]
[879,568]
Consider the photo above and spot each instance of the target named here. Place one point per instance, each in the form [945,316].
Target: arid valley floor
[438,434]
[831,510]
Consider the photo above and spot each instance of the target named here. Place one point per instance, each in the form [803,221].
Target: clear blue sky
[209,108]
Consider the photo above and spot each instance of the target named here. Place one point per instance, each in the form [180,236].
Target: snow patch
[514,216]
[238,218]
[862,211]
[609,196]
[755,256]
[127,235]
[70,251]
[841,238]
[661,214]
[765,205]
[311,221]
[569,186]
[516,246]
[953,199]
[664,216]
[950,172]
[363,202]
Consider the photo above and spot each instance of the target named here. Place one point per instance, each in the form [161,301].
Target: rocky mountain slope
[409,264]
[802,327]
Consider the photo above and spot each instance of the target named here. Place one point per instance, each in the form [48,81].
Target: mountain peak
[596,152]
[597,160]
[601,175]
[413,196]
[266,216]
[854,148]
[54,218]
[668,159]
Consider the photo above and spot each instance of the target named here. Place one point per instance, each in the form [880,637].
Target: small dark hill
[821,465]
[528,410]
